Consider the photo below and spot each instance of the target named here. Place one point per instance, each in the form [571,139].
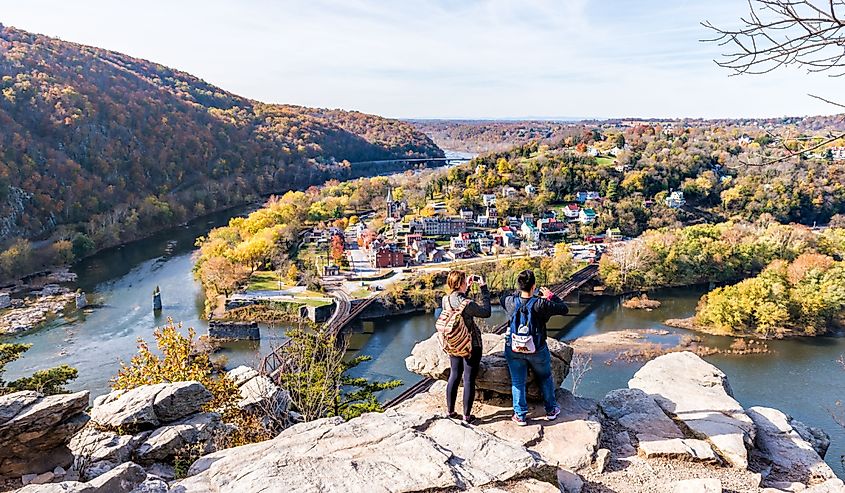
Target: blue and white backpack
[523,330]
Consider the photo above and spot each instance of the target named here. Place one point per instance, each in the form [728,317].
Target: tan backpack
[453,333]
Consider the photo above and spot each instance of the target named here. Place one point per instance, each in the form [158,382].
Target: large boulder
[657,435]
[698,394]
[792,458]
[428,359]
[180,399]
[261,396]
[98,451]
[131,408]
[35,430]
[167,441]
[148,406]
[377,452]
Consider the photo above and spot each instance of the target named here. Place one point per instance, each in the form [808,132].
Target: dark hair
[525,280]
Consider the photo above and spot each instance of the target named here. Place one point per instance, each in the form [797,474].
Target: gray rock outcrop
[792,458]
[35,430]
[392,452]
[125,478]
[698,394]
[147,424]
[428,359]
[148,406]
[569,442]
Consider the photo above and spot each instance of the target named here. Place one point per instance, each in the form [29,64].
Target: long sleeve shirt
[543,310]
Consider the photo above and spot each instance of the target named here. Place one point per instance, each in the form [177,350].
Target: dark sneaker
[453,415]
[551,416]
[519,421]
[469,419]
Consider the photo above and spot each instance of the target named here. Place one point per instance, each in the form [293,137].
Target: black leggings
[472,363]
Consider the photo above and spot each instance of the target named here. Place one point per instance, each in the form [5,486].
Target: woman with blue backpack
[460,337]
[525,343]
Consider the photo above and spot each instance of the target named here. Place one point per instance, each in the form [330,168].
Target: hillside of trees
[97,148]
[480,136]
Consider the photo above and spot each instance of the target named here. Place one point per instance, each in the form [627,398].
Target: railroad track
[563,290]
[272,363]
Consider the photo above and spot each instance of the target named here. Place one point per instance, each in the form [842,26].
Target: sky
[445,58]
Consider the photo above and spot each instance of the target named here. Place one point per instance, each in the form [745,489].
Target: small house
[587,216]
[572,211]
[613,234]
[676,199]
[529,232]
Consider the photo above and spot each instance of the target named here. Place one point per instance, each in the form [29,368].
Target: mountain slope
[114,146]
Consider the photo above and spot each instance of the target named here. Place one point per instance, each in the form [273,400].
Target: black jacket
[472,311]
[543,310]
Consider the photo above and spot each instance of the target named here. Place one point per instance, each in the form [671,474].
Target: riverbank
[689,323]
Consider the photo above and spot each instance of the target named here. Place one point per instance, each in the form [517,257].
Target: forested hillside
[100,144]
[480,136]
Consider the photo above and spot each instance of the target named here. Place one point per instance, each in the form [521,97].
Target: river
[800,377]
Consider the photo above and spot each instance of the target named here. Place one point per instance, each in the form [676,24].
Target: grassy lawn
[265,281]
[360,293]
[605,161]
[315,302]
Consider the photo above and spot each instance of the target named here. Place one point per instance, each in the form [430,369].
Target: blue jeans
[541,363]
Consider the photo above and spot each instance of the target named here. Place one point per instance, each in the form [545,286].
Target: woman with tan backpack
[460,337]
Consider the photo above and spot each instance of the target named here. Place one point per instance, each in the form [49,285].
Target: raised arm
[482,309]
[551,304]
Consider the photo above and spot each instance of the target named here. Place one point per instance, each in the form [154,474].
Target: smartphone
[475,278]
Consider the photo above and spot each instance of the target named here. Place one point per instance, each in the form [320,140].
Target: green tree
[316,376]
[82,245]
[51,381]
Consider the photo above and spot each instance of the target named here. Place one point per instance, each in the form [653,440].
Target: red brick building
[388,257]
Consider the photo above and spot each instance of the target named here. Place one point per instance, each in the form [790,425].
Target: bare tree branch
[777,33]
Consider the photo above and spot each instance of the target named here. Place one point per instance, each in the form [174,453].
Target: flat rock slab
[377,452]
[792,457]
[570,441]
[428,359]
[657,434]
[698,394]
